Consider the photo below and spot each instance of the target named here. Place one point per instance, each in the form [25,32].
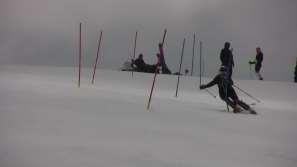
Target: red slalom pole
[180,65]
[97,56]
[80,49]
[134,49]
[156,72]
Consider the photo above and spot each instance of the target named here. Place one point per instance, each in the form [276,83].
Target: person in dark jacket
[258,62]
[140,66]
[139,63]
[227,92]
[226,58]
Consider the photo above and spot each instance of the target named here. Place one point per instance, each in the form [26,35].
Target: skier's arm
[211,83]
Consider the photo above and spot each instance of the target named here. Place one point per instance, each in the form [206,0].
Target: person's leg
[243,105]
[257,70]
[232,95]
[229,102]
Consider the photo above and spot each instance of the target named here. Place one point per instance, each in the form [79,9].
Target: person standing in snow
[227,92]
[258,62]
[226,58]
[165,69]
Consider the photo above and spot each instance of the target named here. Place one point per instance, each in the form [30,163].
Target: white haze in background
[42,32]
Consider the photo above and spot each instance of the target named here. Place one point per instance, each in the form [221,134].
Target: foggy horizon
[40,32]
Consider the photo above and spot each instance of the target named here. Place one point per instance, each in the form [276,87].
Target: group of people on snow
[223,79]
[140,66]
[225,83]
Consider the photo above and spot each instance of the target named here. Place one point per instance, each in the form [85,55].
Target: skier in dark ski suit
[258,62]
[230,97]
[226,58]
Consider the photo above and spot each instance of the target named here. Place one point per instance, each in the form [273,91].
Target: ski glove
[202,86]
[252,62]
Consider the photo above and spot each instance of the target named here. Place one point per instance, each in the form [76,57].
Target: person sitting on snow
[141,66]
[139,63]
[227,92]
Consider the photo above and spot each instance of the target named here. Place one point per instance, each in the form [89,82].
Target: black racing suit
[230,97]
[226,58]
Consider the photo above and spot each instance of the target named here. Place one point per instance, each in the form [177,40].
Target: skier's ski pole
[193,56]
[247,94]
[79,59]
[134,49]
[97,56]
[156,72]
[180,65]
[210,93]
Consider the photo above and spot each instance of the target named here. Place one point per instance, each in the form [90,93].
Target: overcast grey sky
[45,32]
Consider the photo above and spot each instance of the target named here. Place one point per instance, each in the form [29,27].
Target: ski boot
[237,109]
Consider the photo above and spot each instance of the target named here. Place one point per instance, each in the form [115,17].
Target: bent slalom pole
[134,51]
[156,72]
[97,56]
[257,100]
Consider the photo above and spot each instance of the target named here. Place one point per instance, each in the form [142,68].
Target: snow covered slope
[46,121]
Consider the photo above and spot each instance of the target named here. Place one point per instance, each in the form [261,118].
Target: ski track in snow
[45,120]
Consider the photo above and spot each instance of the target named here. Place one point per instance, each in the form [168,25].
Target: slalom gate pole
[155,75]
[134,49]
[97,56]
[193,56]
[164,36]
[180,65]
[80,54]
[257,100]
[200,63]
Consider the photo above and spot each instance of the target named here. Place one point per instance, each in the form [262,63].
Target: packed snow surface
[47,121]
